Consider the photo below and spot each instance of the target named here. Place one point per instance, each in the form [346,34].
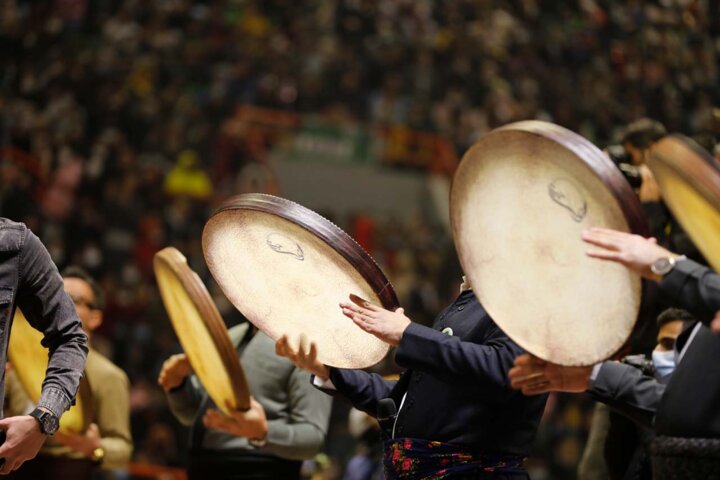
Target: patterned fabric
[410,458]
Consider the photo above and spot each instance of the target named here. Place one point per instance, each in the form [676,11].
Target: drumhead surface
[520,199]
[286,269]
[30,360]
[201,331]
[689,180]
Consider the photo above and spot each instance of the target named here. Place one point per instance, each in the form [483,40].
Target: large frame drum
[286,268]
[201,331]
[520,199]
[689,181]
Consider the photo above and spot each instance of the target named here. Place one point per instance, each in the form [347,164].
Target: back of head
[643,132]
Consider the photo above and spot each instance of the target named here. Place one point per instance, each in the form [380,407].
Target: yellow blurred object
[30,360]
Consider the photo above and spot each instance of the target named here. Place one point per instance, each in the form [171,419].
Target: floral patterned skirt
[411,458]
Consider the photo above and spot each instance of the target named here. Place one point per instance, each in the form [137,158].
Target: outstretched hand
[386,325]
[535,376]
[303,355]
[633,251]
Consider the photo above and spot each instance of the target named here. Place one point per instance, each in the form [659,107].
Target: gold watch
[98,455]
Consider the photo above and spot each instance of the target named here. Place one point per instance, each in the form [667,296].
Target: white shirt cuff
[326,384]
[595,372]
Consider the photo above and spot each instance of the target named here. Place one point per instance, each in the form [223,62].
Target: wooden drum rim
[176,262]
[322,228]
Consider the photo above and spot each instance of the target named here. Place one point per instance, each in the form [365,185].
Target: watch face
[662,266]
[50,424]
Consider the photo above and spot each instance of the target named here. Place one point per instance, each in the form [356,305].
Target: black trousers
[238,465]
[45,467]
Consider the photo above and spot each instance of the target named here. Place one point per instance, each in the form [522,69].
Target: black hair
[643,133]
[672,314]
[98,294]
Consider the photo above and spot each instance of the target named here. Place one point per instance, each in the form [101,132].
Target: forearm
[361,388]
[455,361]
[118,451]
[293,441]
[695,288]
[625,389]
[184,402]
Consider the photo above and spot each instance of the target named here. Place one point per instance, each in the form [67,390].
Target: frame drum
[286,268]
[30,360]
[201,331]
[520,199]
[689,180]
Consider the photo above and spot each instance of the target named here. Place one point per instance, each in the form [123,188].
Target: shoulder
[12,235]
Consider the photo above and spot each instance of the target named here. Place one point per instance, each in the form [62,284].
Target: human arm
[481,364]
[363,389]
[622,387]
[297,434]
[42,298]
[183,391]
[696,288]
[689,284]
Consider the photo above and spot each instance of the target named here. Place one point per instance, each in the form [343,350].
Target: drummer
[687,408]
[287,421]
[457,414]
[107,442]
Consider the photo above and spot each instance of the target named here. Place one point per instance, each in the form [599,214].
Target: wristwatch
[664,265]
[98,455]
[49,422]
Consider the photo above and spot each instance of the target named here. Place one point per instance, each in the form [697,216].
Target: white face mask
[664,363]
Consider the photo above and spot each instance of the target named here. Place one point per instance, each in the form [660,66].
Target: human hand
[534,376]
[303,356]
[23,439]
[174,370]
[386,325]
[85,443]
[715,323]
[251,424]
[633,251]
[649,189]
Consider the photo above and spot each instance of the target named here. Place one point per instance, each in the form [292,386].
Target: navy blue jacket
[457,385]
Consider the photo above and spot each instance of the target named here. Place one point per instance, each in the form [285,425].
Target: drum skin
[286,269]
[689,181]
[30,360]
[520,199]
[201,331]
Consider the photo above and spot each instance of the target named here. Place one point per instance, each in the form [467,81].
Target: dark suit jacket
[688,406]
[456,387]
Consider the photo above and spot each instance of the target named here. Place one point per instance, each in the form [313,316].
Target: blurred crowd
[116,139]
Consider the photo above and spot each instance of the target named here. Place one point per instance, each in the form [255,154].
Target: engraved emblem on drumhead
[282,244]
[567,195]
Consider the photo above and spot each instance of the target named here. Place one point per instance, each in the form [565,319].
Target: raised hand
[174,371]
[633,251]
[386,325]
[303,355]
